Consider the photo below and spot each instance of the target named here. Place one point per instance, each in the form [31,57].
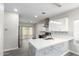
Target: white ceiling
[27,11]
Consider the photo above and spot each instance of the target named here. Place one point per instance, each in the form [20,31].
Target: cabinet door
[58,24]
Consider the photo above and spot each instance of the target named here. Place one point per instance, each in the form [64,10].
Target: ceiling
[27,11]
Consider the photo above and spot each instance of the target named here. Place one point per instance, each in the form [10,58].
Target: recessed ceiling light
[43,12]
[35,16]
[15,10]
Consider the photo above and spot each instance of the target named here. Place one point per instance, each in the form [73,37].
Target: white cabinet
[60,24]
[50,50]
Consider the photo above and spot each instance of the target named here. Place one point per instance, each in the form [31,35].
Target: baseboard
[65,53]
[11,49]
[74,52]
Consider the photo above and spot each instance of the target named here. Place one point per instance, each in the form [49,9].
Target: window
[27,31]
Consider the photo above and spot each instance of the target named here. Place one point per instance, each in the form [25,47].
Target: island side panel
[54,50]
[32,50]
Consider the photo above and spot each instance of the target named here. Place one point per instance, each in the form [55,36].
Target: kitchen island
[52,47]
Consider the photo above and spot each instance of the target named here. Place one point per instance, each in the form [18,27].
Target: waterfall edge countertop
[42,43]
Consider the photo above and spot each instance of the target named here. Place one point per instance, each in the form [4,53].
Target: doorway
[26,33]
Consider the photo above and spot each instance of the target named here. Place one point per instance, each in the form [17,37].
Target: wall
[11,31]
[34,30]
[1,28]
[38,27]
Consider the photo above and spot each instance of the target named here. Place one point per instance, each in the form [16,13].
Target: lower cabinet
[55,50]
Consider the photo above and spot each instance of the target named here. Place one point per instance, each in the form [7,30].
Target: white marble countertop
[42,43]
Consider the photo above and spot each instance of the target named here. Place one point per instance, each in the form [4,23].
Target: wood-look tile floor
[21,52]
[17,52]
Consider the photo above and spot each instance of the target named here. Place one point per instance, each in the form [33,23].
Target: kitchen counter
[42,43]
[42,47]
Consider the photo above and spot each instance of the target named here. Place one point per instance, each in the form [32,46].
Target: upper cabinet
[60,24]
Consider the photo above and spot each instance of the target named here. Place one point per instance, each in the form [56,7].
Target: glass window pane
[27,31]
